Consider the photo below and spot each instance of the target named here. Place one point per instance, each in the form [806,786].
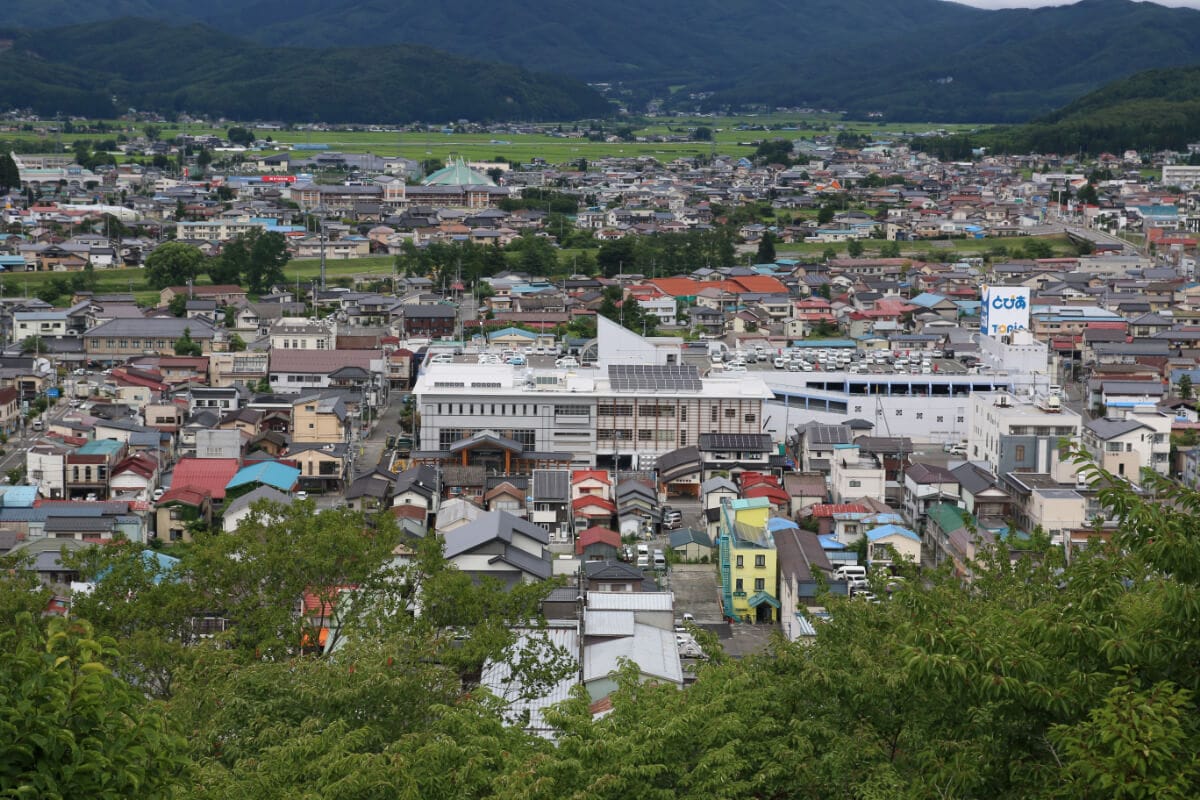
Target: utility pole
[322,254]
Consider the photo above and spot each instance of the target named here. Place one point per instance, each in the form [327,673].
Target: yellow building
[749,582]
[318,419]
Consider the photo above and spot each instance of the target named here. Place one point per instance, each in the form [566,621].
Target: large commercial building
[635,404]
[926,408]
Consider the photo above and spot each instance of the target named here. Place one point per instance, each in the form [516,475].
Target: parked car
[567,361]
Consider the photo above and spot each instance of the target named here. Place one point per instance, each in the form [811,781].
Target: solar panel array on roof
[742,442]
[827,434]
[651,378]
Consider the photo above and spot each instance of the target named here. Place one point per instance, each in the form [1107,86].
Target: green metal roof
[758,598]
[947,517]
[457,173]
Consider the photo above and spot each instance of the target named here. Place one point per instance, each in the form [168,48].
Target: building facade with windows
[593,415]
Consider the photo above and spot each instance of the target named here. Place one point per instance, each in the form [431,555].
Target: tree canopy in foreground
[1040,679]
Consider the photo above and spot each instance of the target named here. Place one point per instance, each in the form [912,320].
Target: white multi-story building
[637,403]
[926,408]
[1013,434]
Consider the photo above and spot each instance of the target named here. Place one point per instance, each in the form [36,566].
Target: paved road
[370,451]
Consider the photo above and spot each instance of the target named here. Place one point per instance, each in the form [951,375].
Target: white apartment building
[853,474]
[1010,434]
[298,333]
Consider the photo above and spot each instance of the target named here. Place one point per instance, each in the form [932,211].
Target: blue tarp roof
[270,473]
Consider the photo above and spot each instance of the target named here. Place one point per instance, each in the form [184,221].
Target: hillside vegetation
[914,60]
[1153,110]
[77,70]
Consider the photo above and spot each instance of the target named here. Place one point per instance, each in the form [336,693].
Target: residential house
[1124,446]
[324,466]
[614,576]
[241,508]
[370,492]
[691,545]
[598,544]
[179,511]
[634,627]
[551,498]
[855,474]
[506,496]
[320,419]
[891,544]
[925,484]
[500,546]
[804,572]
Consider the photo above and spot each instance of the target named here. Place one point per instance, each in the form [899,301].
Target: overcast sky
[1037,3]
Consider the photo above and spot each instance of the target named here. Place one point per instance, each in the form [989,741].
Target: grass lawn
[421,145]
[111,281]
[1060,244]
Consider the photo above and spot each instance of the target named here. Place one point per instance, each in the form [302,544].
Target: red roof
[602,505]
[141,463]
[829,509]
[760,284]
[210,475]
[408,512]
[189,497]
[776,495]
[597,535]
[581,475]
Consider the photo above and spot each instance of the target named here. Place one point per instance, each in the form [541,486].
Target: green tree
[239,135]
[178,305]
[33,344]
[236,343]
[10,176]
[766,249]
[825,215]
[173,264]
[268,256]
[71,728]
[889,249]
[186,345]
[703,133]
[854,248]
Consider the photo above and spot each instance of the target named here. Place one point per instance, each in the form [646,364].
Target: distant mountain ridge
[1152,110]
[915,60]
[98,69]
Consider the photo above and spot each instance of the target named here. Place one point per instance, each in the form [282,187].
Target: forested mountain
[910,59]
[1153,110]
[104,68]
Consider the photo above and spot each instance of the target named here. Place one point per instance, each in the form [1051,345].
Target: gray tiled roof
[553,485]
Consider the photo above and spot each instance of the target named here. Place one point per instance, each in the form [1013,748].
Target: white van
[660,560]
[850,572]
